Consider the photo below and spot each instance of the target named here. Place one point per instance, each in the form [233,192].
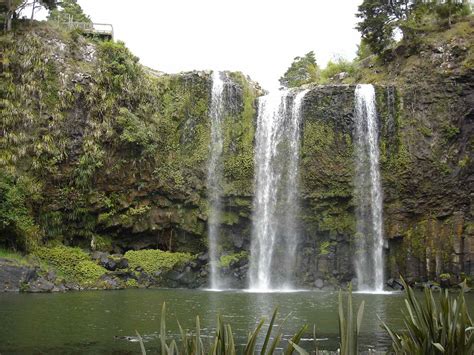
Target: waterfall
[214,176]
[368,193]
[274,229]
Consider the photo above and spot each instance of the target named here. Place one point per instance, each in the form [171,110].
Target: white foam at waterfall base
[368,193]
[274,225]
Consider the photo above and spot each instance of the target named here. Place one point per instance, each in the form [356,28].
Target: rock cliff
[101,153]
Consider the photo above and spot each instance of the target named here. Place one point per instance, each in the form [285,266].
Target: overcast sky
[257,37]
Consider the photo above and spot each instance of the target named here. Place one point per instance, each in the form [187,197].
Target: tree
[379,20]
[15,7]
[450,8]
[69,9]
[303,70]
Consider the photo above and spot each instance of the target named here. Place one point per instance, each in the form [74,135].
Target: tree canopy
[69,9]
[303,70]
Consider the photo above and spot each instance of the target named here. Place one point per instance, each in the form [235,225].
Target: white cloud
[258,37]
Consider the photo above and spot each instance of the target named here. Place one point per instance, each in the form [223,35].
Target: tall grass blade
[269,332]
[298,348]
[140,340]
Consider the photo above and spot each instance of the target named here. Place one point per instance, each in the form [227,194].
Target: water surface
[100,321]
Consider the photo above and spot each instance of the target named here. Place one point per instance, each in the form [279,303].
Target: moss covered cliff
[101,153]
[97,150]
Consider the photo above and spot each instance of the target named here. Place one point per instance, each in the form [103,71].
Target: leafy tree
[15,7]
[363,50]
[450,8]
[303,70]
[69,9]
[379,20]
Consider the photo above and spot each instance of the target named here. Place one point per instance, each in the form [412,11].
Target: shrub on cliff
[17,225]
[303,70]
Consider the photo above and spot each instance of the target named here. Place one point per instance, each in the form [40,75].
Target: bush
[16,217]
[72,263]
[337,66]
[153,260]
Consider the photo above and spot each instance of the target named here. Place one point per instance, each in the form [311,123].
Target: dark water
[97,321]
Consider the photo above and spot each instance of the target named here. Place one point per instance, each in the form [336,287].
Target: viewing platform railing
[100,29]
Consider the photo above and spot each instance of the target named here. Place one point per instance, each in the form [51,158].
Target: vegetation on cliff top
[385,26]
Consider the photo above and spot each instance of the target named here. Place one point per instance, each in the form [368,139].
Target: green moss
[102,243]
[325,246]
[229,218]
[426,131]
[132,283]
[226,260]
[12,255]
[339,222]
[462,163]
[239,131]
[153,260]
[72,263]
[450,131]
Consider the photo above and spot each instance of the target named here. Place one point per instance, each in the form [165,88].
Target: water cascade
[275,230]
[214,176]
[368,193]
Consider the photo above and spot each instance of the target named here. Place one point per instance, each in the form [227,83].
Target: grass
[12,255]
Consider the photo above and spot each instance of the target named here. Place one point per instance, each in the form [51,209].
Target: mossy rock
[72,263]
[227,260]
[154,260]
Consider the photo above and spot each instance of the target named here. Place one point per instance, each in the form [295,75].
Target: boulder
[40,285]
[13,275]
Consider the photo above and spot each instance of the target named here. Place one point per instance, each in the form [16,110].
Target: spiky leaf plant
[349,327]
[223,341]
[432,327]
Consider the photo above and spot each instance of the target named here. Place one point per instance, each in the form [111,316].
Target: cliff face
[425,103]
[116,153]
[99,152]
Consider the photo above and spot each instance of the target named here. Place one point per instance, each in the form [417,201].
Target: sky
[258,37]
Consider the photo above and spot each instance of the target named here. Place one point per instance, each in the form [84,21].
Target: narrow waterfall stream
[214,176]
[275,230]
[368,193]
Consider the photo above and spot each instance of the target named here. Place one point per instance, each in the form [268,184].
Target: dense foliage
[72,263]
[68,10]
[381,18]
[303,70]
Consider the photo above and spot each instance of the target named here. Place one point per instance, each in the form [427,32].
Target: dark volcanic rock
[13,275]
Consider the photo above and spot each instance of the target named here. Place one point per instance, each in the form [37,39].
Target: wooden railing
[101,29]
